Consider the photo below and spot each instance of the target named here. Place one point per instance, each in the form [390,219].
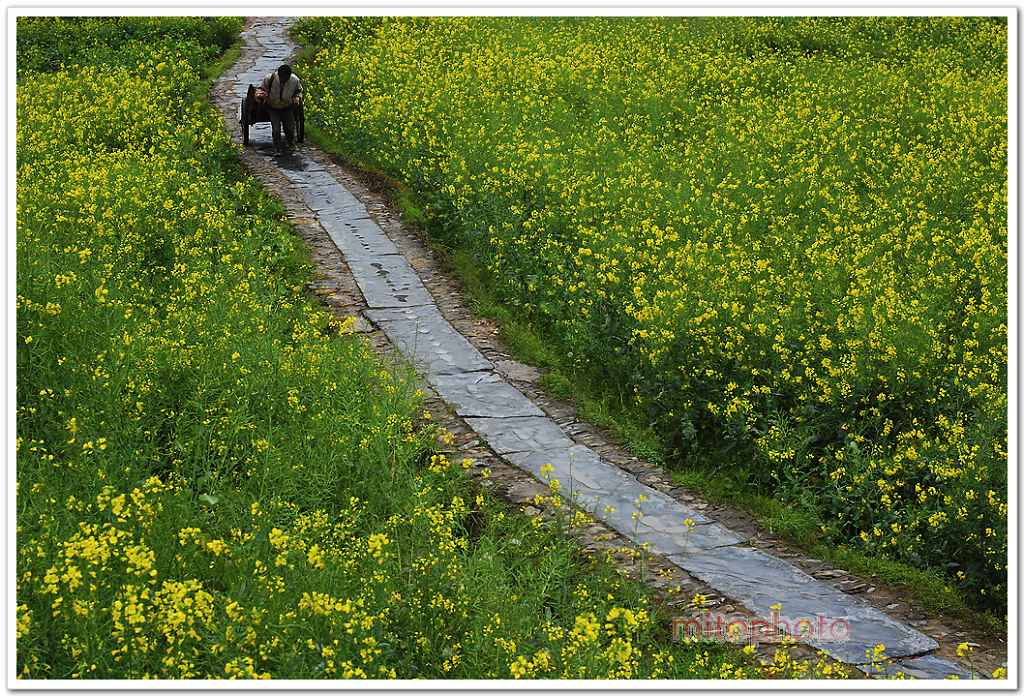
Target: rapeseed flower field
[216,479]
[783,240]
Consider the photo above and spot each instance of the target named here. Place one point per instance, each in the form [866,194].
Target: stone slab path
[517,429]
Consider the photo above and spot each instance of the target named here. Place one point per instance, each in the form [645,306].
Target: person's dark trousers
[286,117]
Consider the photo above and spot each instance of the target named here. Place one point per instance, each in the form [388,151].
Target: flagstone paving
[514,427]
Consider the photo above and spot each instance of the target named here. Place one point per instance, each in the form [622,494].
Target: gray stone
[358,238]
[360,325]
[310,177]
[574,466]
[526,491]
[517,371]
[520,434]
[351,211]
[759,581]
[424,337]
[613,496]
[675,544]
[388,281]
[701,538]
[334,198]
[706,535]
[666,539]
[482,394]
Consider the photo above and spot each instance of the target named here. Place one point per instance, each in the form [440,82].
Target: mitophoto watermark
[714,626]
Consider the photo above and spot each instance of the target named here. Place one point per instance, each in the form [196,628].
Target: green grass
[215,69]
[929,590]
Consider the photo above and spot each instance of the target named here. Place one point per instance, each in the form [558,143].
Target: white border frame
[469,7]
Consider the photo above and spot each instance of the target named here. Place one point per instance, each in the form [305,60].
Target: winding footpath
[519,431]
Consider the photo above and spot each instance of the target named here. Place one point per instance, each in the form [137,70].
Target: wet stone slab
[332,199]
[311,176]
[353,212]
[683,542]
[482,395]
[697,540]
[521,434]
[618,499]
[701,538]
[328,197]
[255,75]
[358,238]
[389,281]
[323,194]
[423,336]
[664,510]
[575,467]
[759,581]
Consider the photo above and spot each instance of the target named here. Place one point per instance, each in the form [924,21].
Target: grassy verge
[215,69]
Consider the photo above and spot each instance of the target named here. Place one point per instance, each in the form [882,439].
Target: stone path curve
[515,428]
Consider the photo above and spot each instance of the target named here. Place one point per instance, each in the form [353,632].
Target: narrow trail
[398,302]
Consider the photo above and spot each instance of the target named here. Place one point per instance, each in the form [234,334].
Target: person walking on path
[282,90]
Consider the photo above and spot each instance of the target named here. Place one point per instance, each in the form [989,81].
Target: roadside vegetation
[770,252]
[215,479]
